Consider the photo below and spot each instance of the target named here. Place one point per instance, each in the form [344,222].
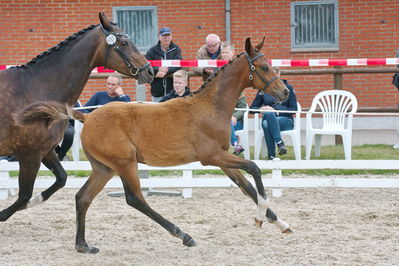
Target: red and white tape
[274,63]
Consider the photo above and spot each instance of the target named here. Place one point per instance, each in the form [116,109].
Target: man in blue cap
[165,49]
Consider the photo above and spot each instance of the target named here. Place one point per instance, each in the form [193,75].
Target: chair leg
[245,144]
[347,143]
[263,150]
[317,145]
[257,148]
[309,143]
[296,144]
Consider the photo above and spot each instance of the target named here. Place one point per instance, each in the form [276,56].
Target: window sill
[315,49]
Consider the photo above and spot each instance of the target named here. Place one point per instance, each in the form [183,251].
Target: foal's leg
[226,161]
[135,198]
[100,175]
[249,190]
[27,175]
[52,162]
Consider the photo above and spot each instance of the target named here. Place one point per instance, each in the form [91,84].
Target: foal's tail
[48,112]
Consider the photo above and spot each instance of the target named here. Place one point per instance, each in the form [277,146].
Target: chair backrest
[245,127]
[335,105]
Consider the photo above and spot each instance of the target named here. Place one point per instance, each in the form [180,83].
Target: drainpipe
[227,13]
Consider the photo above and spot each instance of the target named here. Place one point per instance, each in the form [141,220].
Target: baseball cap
[164,31]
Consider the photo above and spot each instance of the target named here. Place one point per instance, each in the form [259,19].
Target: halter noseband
[252,70]
[111,41]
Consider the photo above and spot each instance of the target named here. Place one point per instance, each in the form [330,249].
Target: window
[314,26]
[140,23]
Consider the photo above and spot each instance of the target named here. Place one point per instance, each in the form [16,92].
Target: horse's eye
[124,43]
[264,68]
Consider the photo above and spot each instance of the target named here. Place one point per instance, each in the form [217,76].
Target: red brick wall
[367,29]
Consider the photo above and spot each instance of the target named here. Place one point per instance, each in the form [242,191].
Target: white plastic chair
[295,134]
[243,134]
[337,119]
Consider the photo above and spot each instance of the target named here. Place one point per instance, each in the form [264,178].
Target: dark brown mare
[118,136]
[58,74]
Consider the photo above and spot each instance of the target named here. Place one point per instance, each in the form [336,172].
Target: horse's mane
[203,86]
[57,47]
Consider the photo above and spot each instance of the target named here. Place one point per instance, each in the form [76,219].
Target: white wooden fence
[187,182]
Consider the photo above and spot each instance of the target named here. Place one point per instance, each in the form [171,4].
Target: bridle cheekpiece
[252,69]
[111,39]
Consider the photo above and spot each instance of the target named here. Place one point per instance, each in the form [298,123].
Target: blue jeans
[233,138]
[272,125]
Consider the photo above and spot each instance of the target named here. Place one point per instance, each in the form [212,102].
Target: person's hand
[161,72]
[234,120]
[208,70]
[119,91]
[267,108]
[164,69]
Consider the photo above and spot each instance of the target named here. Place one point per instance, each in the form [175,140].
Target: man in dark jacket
[180,89]
[164,50]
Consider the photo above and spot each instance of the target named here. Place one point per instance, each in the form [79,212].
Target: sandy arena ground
[332,227]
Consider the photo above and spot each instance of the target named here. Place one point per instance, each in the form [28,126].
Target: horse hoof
[189,242]
[288,231]
[258,223]
[87,249]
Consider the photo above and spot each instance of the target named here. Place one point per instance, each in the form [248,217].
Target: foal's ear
[260,45]
[105,22]
[248,47]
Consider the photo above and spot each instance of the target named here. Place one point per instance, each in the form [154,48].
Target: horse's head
[261,73]
[122,55]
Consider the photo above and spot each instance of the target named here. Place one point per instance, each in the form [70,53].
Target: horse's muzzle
[146,75]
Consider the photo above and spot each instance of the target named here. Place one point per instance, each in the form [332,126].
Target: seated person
[67,141]
[237,124]
[113,93]
[272,122]
[228,53]
[210,50]
[180,89]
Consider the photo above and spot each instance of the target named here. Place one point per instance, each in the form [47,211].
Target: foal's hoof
[258,223]
[189,241]
[288,231]
[84,248]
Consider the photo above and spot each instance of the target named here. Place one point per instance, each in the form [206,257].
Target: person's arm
[92,102]
[124,98]
[150,56]
[257,103]
[199,70]
[290,104]
[165,98]
[121,95]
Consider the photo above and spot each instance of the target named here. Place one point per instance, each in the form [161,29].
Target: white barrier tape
[274,62]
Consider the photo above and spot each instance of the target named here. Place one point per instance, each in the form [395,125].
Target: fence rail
[188,182]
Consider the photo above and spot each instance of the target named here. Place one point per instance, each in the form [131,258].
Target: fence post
[277,174]
[187,192]
[141,96]
[4,177]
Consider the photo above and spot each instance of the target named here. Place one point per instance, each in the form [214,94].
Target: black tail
[47,112]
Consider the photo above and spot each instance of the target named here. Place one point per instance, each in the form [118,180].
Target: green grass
[364,152]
